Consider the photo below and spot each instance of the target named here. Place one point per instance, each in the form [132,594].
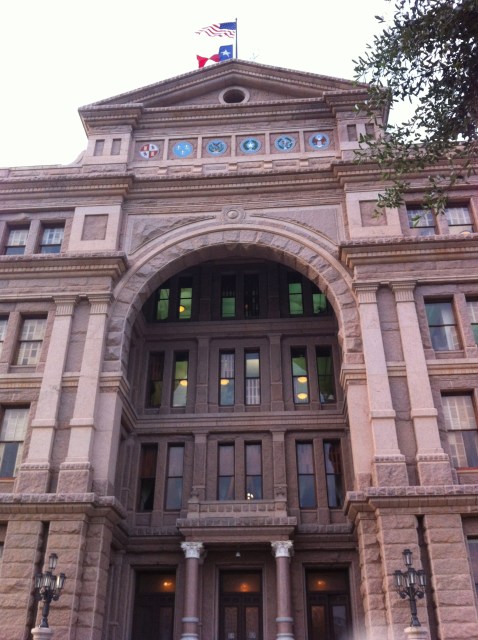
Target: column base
[434,469]
[285,636]
[74,477]
[417,633]
[189,636]
[390,471]
[42,633]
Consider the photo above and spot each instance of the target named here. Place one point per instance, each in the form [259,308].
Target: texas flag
[224,53]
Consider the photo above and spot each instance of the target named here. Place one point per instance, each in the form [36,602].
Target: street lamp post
[410,584]
[48,587]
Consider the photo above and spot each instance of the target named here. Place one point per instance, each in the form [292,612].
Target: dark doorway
[328,605]
[153,616]
[240,606]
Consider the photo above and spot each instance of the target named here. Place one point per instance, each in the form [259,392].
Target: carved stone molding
[404,291]
[233,214]
[282,548]
[192,549]
[366,293]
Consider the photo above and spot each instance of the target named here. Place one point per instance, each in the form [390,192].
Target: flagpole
[236,39]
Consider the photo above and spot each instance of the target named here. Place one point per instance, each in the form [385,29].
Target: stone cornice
[55,183]
[414,499]
[409,249]
[59,504]
[112,264]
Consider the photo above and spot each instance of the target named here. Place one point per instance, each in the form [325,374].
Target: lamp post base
[417,633]
[42,633]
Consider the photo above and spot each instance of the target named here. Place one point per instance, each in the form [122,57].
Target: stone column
[75,471]
[389,467]
[282,550]
[34,473]
[432,463]
[190,620]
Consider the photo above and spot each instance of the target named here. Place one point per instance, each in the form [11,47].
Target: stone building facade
[230,395]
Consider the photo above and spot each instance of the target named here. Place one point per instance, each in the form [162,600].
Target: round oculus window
[234,95]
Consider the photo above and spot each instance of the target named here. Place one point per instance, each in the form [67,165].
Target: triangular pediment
[260,83]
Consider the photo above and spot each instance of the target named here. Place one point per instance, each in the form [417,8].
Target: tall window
[333,473]
[225,476]
[147,476]
[51,239]
[185,298]
[296,300]
[251,295]
[253,471]
[458,219]
[30,343]
[180,380]
[252,378]
[300,379]
[3,331]
[174,481]
[226,379]
[422,220]
[460,421]
[228,296]
[156,372]
[12,435]
[162,302]
[306,475]
[473,551]
[16,241]
[319,301]
[473,311]
[325,374]
[442,325]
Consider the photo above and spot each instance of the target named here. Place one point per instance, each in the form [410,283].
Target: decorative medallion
[183,149]
[250,145]
[284,143]
[149,150]
[216,147]
[319,140]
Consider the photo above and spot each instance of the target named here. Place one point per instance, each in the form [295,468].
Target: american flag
[227,29]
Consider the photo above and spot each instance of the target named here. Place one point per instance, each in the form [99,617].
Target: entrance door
[328,605]
[153,616]
[240,607]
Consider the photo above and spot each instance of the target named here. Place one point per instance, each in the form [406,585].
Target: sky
[58,55]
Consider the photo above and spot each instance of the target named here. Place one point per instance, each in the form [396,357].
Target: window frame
[51,226]
[455,434]
[30,341]
[170,477]
[18,442]
[9,248]
[450,338]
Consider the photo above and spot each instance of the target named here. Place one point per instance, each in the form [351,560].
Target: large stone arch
[306,251]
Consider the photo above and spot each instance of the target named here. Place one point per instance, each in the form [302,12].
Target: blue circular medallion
[183,149]
[216,147]
[250,145]
[319,140]
[284,143]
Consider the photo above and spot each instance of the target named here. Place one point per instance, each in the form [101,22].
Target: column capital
[99,303]
[404,290]
[282,548]
[65,305]
[192,549]
[366,292]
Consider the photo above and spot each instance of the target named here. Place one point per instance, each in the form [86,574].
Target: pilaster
[432,463]
[388,467]
[76,470]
